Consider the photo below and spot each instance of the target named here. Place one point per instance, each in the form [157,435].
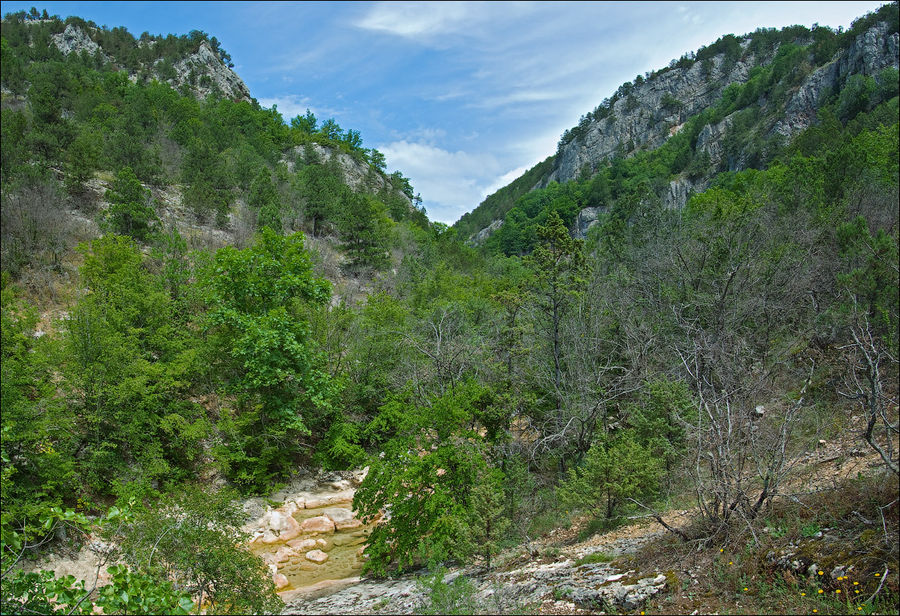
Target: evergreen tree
[130,212]
[364,228]
[559,269]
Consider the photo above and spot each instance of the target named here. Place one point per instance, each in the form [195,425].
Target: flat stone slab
[316,556]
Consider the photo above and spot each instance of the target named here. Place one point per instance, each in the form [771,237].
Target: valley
[243,370]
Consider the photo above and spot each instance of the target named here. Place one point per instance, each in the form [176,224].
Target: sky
[461,97]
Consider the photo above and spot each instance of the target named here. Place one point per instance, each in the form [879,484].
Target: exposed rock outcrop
[202,72]
[650,112]
[871,52]
[75,40]
[642,120]
[358,174]
[480,237]
[210,76]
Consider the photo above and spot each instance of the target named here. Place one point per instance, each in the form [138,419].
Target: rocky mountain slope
[733,73]
[651,121]
[196,64]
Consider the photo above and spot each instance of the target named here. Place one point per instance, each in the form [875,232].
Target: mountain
[211,316]
[195,64]
[740,100]
[84,104]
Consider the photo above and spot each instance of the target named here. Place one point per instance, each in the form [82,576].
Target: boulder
[302,545]
[284,555]
[338,515]
[316,556]
[280,581]
[318,524]
[280,525]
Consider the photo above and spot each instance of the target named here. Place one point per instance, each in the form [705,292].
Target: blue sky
[460,97]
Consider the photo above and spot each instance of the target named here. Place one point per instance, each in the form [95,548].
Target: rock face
[205,63]
[871,52]
[74,39]
[586,219]
[480,237]
[640,121]
[358,175]
[657,108]
[202,72]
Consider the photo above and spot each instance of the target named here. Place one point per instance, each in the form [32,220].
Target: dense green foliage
[487,389]
[83,114]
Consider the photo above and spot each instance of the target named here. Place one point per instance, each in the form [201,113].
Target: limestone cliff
[643,120]
[202,72]
[644,115]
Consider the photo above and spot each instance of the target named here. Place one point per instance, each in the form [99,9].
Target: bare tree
[34,227]
[871,379]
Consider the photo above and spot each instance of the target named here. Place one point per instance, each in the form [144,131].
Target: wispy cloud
[425,22]
[418,19]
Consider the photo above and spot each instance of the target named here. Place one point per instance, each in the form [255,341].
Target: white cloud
[515,97]
[426,21]
[416,19]
[503,180]
[451,183]
[292,105]
[289,106]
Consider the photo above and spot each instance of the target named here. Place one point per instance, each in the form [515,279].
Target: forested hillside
[735,104]
[200,298]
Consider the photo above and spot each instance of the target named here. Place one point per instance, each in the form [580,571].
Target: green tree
[264,199]
[614,470]
[559,269]
[130,212]
[37,443]
[433,457]
[487,524]
[193,540]
[82,160]
[127,367]
[260,342]
[322,187]
[364,228]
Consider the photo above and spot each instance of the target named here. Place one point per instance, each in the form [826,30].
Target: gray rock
[74,39]
[480,237]
[586,219]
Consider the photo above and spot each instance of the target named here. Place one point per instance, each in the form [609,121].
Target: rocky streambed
[313,539]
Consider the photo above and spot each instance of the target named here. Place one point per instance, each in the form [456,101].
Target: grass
[769,573]
[595,557]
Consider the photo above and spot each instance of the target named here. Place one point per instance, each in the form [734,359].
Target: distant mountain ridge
[781,78]
[194,64]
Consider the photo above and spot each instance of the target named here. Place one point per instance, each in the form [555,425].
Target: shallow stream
[312,539]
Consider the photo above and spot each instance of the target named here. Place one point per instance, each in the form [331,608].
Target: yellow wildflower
[856,583]
[821,591]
